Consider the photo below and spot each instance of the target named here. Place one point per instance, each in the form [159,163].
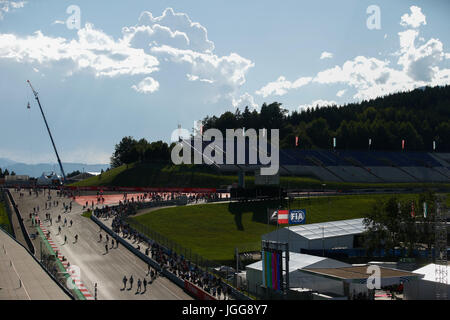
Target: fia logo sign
[297,216]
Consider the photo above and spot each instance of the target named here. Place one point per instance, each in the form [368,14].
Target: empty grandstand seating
[353,166]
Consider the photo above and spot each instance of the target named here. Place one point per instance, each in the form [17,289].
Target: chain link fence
[225,273]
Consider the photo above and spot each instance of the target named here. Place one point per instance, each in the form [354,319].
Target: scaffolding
[441,249]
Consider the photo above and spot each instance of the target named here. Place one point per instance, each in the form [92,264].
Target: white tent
[425,288]
[297,278]
[327,235]
[43,180]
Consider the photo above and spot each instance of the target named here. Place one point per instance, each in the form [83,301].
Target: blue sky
[140,68]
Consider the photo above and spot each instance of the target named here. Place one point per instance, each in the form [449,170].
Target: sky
[108,69]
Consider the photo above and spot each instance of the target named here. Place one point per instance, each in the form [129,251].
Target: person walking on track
[131,282]
[139,285]
[124,280]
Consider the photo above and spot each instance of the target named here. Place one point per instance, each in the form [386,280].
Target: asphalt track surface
[107,269]
[21,277]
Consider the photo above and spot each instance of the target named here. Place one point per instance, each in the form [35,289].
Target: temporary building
[427,287]
[316,236]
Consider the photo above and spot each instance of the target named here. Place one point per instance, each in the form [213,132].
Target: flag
[283,216]
[272,215]
[334,142]
[403,144]
[296,141]
[425,210]
[370,142]
[413,213]
[434,145]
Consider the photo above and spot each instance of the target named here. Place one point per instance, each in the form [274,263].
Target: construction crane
[48,129]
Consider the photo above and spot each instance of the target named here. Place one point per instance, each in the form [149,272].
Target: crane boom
[48,129]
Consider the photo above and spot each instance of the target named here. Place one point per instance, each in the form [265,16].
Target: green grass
[215,230]
[201,176]
[87,214]
[5,224]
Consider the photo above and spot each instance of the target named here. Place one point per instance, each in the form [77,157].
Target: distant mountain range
[36,170]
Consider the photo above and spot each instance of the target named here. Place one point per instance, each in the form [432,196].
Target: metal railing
[227,276]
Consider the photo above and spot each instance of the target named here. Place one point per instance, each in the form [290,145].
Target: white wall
[300,279]
[329,243]
[297,242]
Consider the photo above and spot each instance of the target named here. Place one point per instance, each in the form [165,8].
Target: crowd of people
[168,260]
[171,261]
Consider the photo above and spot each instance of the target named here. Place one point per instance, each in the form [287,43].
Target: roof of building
[329,229]
[359,273]
[300,261]
[429,272]
[82,176]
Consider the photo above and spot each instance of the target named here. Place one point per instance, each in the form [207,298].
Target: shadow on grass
[257,208]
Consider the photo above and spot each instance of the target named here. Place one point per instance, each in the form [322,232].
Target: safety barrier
[19,218]
[181,283]
[197,292]
[138,253]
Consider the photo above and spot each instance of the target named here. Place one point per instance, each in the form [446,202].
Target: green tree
[125,152]
[319,133]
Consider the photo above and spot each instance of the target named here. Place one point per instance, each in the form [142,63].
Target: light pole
[323,241]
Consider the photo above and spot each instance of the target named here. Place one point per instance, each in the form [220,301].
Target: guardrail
[19,218]
[142,256]
[181,283]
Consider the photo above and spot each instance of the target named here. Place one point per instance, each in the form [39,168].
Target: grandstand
[370,166]
[353,166]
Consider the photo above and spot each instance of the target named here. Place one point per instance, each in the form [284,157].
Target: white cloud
[148,85]
[373,77]
[172,38]
[245,100]
[227,72]
[415,19]
[340,93]
[194,33]
[419,62]
[58,22]
[317,103]
[326,55]
[6,6]
[281,86]
[93,50]
[191,77]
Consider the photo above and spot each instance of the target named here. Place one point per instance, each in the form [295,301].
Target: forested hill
[419,116]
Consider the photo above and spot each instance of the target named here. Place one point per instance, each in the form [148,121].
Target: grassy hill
[215,230]
[200,176]
[4,220]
